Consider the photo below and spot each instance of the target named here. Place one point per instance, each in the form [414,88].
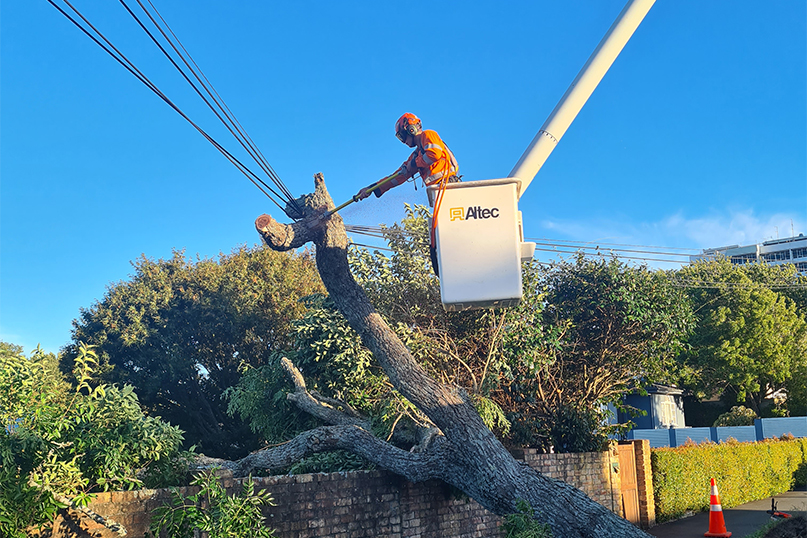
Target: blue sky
[697,136]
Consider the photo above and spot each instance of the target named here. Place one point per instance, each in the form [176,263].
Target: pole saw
[373,187]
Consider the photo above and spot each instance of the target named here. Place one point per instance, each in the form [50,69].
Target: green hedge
[743,471]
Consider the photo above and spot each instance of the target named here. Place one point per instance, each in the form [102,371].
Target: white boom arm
[578,93]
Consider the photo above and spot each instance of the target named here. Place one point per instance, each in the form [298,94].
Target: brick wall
[591,472]
[366,503]
[644,482]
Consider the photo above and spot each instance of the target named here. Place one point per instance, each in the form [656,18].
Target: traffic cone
[717,527]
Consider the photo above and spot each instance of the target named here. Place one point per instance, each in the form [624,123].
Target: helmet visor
[401,136]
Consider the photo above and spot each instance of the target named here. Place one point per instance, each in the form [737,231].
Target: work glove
[365,192]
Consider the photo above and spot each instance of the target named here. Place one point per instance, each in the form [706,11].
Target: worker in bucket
[431,158]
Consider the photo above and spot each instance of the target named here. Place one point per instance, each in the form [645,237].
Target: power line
[221,109]
[556,246]
[354,244]
[614,253]
[612,244]
[688,283]
[97,36]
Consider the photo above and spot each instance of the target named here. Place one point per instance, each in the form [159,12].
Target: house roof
[656,388]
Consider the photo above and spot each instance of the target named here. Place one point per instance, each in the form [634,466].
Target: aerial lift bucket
[480,244]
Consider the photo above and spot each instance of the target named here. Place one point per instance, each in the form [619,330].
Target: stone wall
[367,503]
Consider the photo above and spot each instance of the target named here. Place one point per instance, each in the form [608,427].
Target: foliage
[178,330]
[460,348]
[737,416]
[454,347]
[491,414]
[522,524]
[743,472]
[31,391]
[214,512]
[750,337]
[330,462]
[57,441]
[587,331]
[333,362]
[539,373]
[571,428]
[547,365]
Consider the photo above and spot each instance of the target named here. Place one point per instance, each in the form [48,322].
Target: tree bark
[465,453]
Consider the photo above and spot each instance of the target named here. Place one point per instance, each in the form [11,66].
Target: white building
[776,251]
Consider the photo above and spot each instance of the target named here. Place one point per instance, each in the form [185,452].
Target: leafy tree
[178,330]
[589,330]
[455,346]
[750,339]
[59,444]
[462,451]
[536,369]
[330,356]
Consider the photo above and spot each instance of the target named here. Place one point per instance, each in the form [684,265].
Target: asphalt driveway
[740,521]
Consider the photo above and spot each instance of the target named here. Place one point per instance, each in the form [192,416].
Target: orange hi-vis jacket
[431,158]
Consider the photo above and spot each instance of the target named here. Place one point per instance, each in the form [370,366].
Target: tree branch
[306,402]
[325,409]
[109,523]
[415,467]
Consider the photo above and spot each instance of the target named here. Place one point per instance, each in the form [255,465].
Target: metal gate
[627,477]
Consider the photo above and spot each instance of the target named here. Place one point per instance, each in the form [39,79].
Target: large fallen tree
[457,447]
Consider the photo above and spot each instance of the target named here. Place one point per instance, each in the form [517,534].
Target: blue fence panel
[777,427]
[741,433]
[680,435]
[764,428]
[657,438]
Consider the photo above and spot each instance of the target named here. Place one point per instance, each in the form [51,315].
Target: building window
[666,410]
[776,256]
[800,253]
[801,266]
[742,259]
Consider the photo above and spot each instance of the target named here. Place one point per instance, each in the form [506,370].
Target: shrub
[736,416]
[214,512]
[60,444]
[743,471]
[522,524]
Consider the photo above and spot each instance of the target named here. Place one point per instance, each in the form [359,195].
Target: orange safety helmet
[408,124]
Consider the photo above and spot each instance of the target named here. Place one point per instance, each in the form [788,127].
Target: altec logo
[478,212]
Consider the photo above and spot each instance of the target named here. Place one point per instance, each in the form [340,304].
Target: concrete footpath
[740,521]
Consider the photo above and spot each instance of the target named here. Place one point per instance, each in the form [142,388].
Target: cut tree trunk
[465,453]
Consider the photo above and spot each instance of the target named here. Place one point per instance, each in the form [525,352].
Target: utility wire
[268,167]
[231,123]
[129,66]
[609,253]
[611,244]
[354,244]
[379,232]
[598,249]
[676,282]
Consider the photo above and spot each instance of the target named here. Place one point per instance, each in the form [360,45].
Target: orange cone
[717,527]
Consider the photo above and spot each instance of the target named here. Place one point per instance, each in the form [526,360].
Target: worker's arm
[399,177]
[407,170]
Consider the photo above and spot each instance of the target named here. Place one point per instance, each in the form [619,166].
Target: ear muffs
[414,128]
